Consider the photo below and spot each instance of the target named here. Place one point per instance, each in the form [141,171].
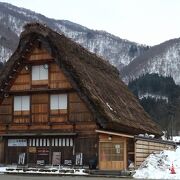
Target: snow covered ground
[61,170]
[176,138]
[158,166]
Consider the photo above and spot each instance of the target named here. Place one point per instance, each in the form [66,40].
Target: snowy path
[15,177]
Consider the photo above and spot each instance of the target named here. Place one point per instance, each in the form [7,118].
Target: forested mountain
[163,59]
[160,97]
[117,51]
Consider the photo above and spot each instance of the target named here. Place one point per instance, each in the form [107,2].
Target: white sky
[144,21]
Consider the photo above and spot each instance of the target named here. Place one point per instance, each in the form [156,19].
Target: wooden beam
[114,133]
[39,134]
[35,91]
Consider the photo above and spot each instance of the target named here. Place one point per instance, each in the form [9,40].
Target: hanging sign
[17,142]
[117,147]
[32,149]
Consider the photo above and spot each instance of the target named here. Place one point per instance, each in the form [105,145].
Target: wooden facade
[117,150]
[112,150]
[60,104]
[144,147]
[40,118]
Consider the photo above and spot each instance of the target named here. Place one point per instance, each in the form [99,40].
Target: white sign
[79,159]
[117,147]
[56,160]
[21,160]
[17,142]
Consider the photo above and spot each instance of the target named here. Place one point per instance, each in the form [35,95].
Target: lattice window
[58,101]
[40,72]
[21,103]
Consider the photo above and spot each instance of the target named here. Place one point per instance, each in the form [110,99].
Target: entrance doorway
[112,155]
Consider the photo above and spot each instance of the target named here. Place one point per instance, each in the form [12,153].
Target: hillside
[159,96]
[163,59]
[117,51]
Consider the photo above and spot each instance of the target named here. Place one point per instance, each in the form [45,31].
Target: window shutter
[47,142]
[43,72]
[54,102]
[58,101]
[17,103]
[21,103]
[39,72]
[40,142]
[37,142]
[34,142]
[25,103]
[63,101]
[35,72]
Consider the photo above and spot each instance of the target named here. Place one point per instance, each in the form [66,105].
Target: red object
[172,169]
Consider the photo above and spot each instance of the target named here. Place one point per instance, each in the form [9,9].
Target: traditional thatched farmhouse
[60,104]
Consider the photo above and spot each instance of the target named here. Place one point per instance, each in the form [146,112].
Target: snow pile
[176,138]
[158,165]
[2,170]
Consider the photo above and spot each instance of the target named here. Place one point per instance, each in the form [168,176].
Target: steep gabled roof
[97,82]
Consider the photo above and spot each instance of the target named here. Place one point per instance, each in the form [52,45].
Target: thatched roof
[97,82]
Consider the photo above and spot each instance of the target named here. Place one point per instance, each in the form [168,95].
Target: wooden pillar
[2,150]
[27,151]
[125,153]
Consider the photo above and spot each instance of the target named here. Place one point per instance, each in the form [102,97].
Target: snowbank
[176,138]
[61,170]
[158,165]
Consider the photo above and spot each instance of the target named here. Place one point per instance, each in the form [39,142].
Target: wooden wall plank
[40,108]
[105,138]
[22,81]
[1,151]
[59,119]
[2,127]
[6,110]
[57,78]
[18,127]
[39,127]
[39,54]
[144,148]
[78,110]
[63,127]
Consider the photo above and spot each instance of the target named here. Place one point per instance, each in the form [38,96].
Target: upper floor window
[21,103]
[58,101]
[40,72]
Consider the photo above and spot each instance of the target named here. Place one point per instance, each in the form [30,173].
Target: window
[21,103]
[112,151]
[58,101]
[39,142]
[40,72]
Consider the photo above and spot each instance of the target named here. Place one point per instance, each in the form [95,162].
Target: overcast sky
[144,21]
